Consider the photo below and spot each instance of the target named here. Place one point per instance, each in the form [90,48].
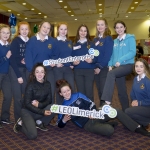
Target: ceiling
[75,10]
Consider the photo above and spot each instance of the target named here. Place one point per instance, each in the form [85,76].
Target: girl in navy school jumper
[140,95]
[103,42]
[38,49]
[120,65]
[5,84]
[83,70]
[18,71]
[63,50]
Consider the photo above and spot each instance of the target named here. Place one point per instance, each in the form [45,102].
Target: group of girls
[114,62]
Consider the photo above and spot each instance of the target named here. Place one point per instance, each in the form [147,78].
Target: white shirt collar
[60,38]
[83,41]
[25,40]
[100,36]
[122,38]
[2,43]
[38,37]
[143,76]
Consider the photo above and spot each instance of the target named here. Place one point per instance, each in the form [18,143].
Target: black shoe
[17,127]
[100,108]
[1,126]
[41,127]
[142,131]
[6,121]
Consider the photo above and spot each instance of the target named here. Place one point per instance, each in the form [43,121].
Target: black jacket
[40,92]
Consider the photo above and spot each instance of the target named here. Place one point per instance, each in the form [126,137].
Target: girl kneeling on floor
[37,102]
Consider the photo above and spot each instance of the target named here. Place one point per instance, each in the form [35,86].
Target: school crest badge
[69,45]
[142,86]
[49,46]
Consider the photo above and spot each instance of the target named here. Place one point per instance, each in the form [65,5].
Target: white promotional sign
[67,59]
[75,111]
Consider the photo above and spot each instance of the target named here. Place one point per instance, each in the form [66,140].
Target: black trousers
[140,114]
[5,86]
[102,126]
[50,77]
[63,73]
[100,81]
[117,74]
[84,79]
[29,122]
[18,90]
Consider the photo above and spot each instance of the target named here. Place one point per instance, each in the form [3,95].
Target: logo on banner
[93,52]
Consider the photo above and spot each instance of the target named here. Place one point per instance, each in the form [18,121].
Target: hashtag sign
[54,108]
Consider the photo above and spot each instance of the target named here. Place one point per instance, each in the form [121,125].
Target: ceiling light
[39,13]
[129,12]
[18,14]
[147,15]
[132,7]
[23,3]
[136,2]
[100,4]
[9,10]
[100,13]
[72,15]
[89,9]
[100,9]
[45,16]
[25,18]
[32,8]
[75,19]
[69,11]
[60,1]
[126,16]
[65,6]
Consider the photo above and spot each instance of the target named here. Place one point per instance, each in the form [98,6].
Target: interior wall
[140,28]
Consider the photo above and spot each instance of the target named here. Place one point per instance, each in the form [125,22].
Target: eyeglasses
[4,33]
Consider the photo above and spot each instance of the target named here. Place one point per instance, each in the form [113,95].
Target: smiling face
[83,32]
[39,74]
[139,68]
[120,29]
[24,30]
[45,29]
[62,31]
[101,26]
[4,34]
[65,92]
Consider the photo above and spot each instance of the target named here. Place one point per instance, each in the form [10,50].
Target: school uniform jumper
[83,72]
[97,126]
[29,113]
[63,50]
[18,70]
[36,52]
[5,84]
[123,52]
[105,48]
[140,92]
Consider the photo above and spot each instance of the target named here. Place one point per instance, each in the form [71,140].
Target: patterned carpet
[74,138]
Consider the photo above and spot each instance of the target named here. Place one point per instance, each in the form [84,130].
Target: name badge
[97,43]
[76,47]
